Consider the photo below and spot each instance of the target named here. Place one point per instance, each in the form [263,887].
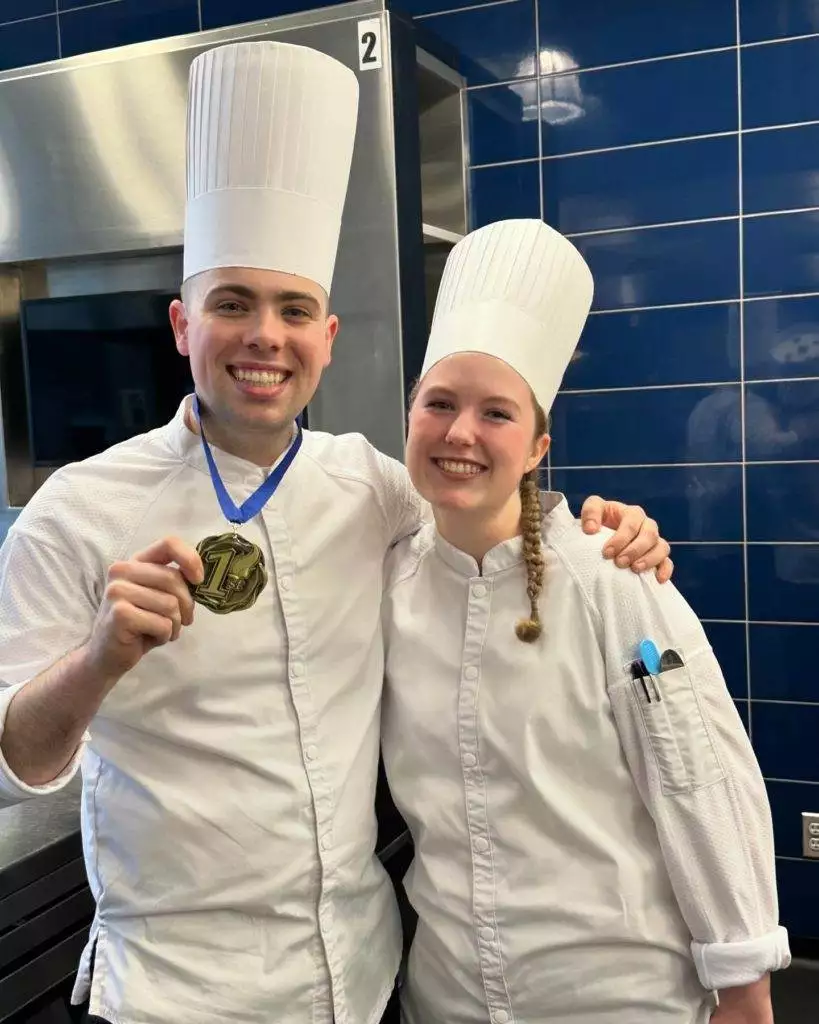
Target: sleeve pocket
[675,731]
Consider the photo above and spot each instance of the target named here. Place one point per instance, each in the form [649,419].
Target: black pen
[639,672]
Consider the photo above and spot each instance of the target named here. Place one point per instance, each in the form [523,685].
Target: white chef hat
[271,128]
[517,290]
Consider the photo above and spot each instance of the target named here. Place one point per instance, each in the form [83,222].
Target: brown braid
[531,522]
[531,518]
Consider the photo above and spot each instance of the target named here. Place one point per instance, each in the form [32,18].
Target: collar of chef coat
[509,553]
[233,470]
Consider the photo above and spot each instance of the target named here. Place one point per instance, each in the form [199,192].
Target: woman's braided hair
[531,521]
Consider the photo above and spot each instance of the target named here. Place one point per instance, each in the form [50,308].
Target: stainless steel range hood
[92,200]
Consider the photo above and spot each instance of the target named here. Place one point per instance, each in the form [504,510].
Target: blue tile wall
[779,655]
[775,79]
[84,29]
[503,122]
[764,19]
[641,29]
[668,265]
[695,390]
[693,503]
[692,345]
[665,425]
[625,188]
[782,338]
[507,190]
[779,169]
[14,10]
[782,254]
[28,42]
[638,103]
[728,643]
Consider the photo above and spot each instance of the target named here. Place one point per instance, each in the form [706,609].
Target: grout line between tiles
[662,59]
[734,47]
[780,39]
[650,387]
[33,17]
[663,305]
[800,703]
[540,130]
[653,227]
[691,222]
[706,302]
[507,163]
[461,10]
[690,465]
[777,213]
[759,622]
[783,543]
[743,543]
[778,127]
[786,295]
[59,35]
[679,385]
[804,782]
[199,13]
[650,144]
[87,7]
[742,393]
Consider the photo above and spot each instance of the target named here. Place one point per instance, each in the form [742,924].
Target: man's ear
[179,323]
[331,326]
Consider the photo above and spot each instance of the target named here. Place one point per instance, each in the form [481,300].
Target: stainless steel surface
[93,200]
[440,94]
[104,170]
[32,826]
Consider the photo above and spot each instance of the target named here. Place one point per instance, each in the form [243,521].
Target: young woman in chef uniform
[592,834]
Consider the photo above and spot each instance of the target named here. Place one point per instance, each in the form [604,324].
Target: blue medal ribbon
[239,514]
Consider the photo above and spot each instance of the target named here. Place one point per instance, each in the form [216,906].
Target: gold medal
[235,573]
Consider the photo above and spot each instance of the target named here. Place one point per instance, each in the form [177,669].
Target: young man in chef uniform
[226,642]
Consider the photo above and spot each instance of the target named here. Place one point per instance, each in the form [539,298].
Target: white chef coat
[228,800]
[570,838]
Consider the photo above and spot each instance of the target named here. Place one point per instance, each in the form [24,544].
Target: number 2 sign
[369,45]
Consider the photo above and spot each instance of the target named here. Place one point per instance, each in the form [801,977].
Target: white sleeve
[405,509]
[694,766]
[47,608]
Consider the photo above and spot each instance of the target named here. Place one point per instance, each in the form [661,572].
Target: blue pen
[650,656]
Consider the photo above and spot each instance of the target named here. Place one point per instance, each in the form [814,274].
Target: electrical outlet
[810,834]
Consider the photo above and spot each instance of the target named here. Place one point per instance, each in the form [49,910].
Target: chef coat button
[471,672]
[488,934]
[298,668]
[311,752]
[284,582]
[500,1016]
[327,841]
[469,760]
[481,844]
[479,590]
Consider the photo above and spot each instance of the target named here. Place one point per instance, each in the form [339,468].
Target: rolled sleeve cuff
[731,964]
[12,789]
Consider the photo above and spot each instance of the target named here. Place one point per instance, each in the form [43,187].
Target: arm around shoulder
[405,509]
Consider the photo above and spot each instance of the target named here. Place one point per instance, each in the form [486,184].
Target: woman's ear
[539,449]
